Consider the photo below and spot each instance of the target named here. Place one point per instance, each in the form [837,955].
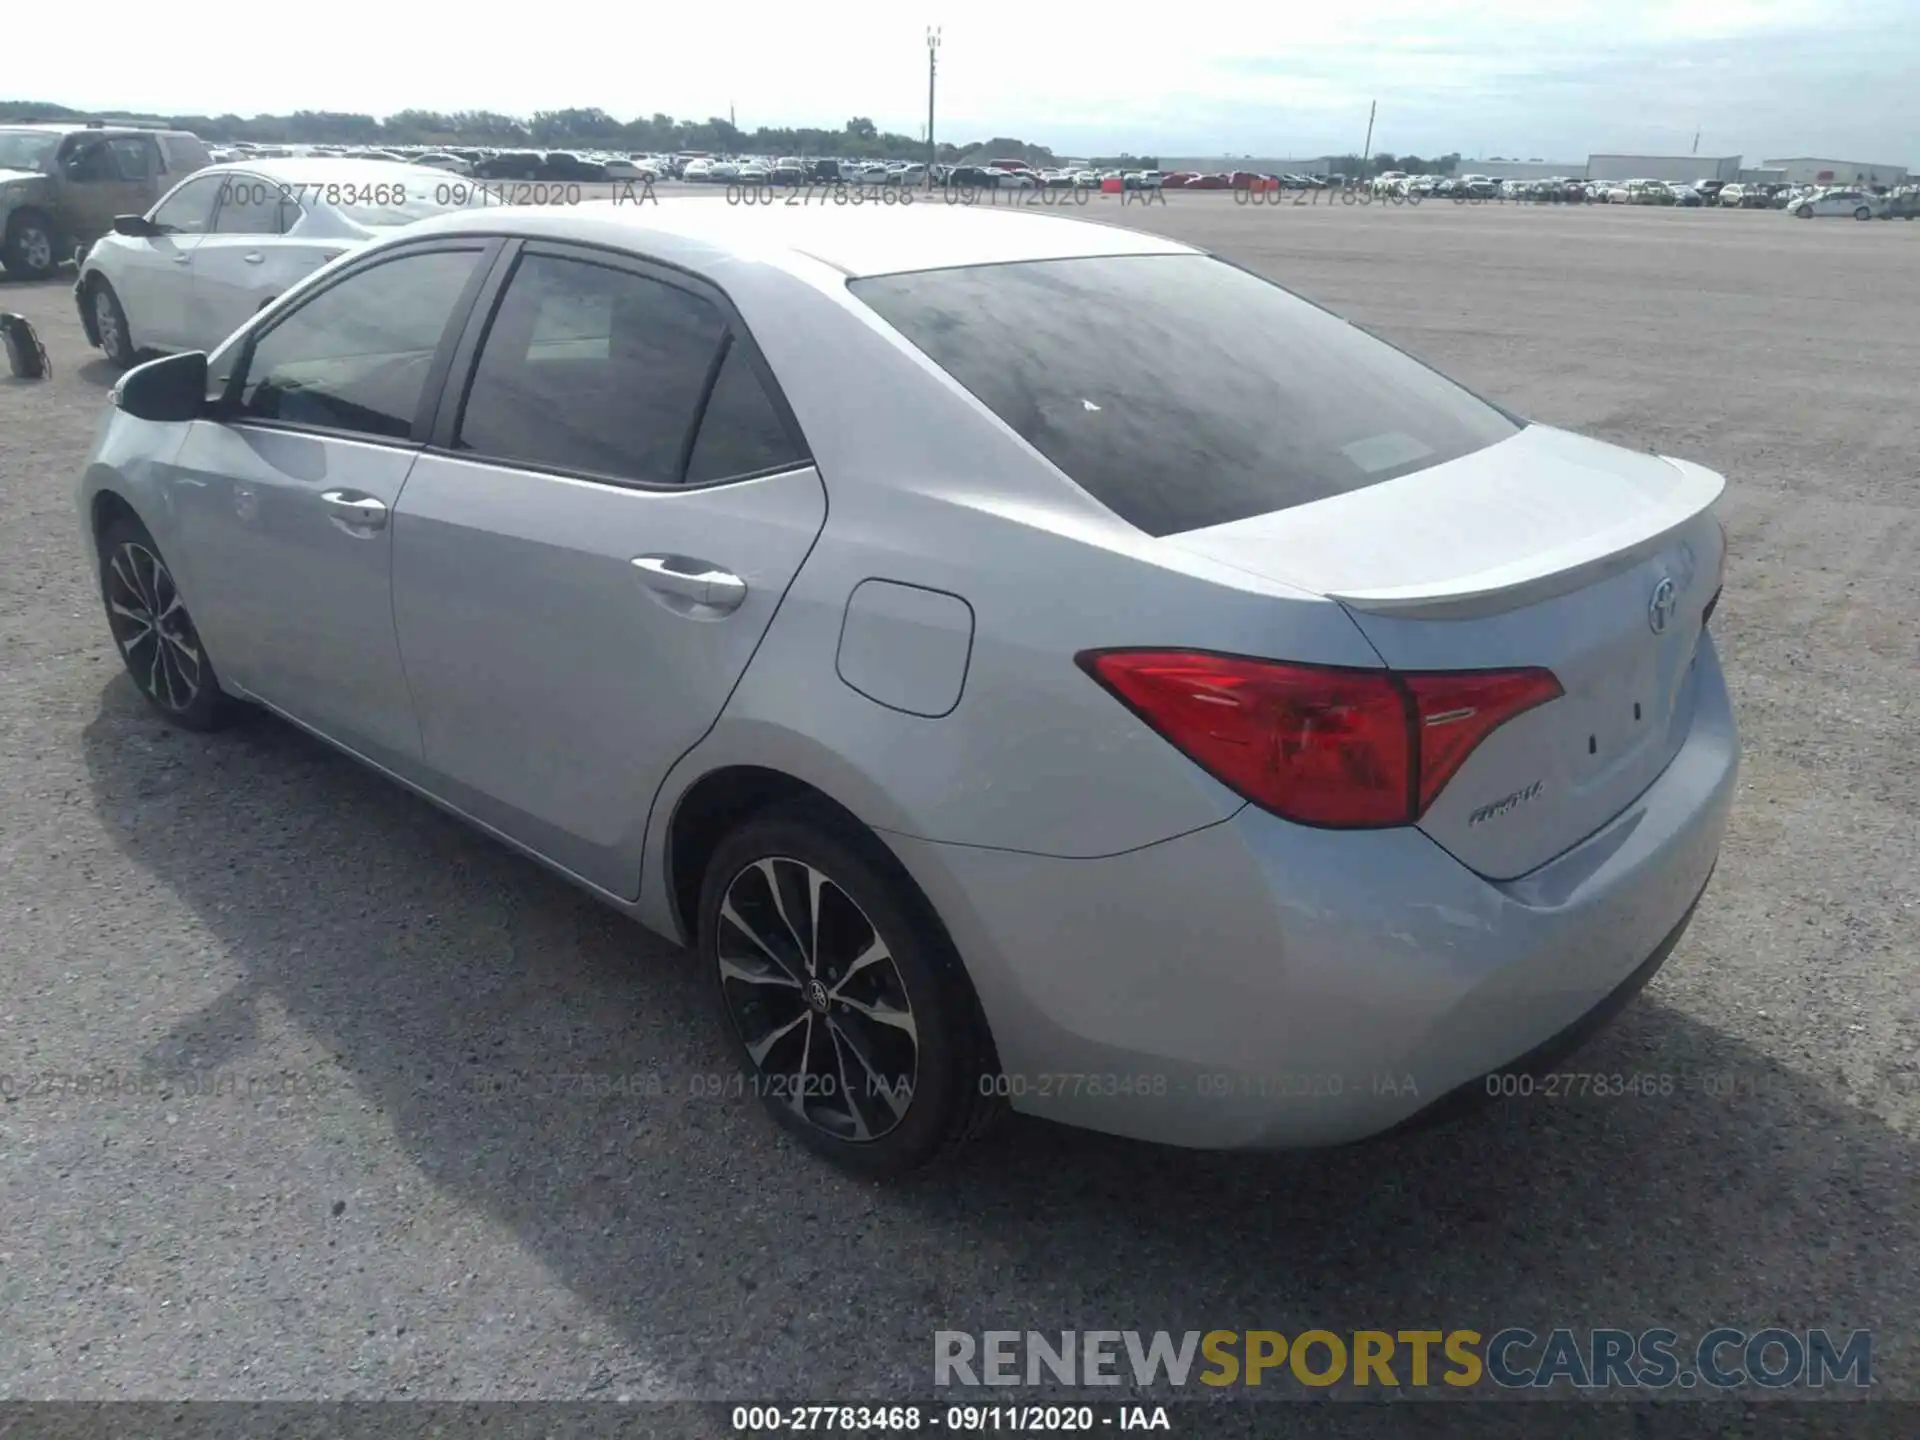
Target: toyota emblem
[1660,608]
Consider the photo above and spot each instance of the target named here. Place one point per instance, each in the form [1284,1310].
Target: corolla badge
[1660,608]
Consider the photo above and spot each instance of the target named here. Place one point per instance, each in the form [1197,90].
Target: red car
[1178,180]
[1210,182]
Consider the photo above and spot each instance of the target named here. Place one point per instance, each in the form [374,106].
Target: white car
[1855,203]
[697,170]
[440,160]
[620,169]
[229,238]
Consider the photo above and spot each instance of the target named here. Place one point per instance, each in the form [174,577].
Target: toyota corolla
[1034,663]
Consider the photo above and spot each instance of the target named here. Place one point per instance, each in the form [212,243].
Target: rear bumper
[1255,983]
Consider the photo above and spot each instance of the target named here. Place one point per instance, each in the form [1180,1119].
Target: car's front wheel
[1862,212]
[28,251]
[110,324]
[855,1021]
[1805,212]
[153,631]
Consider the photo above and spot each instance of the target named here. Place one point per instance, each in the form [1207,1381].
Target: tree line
[592,129]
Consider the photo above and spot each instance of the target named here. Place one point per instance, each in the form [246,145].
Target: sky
[1516,78]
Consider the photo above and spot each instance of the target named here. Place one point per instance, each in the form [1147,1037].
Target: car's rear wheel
[1862,212]
[1805,212]
[28,251]
[110,324]
[855,1022]
[153,631]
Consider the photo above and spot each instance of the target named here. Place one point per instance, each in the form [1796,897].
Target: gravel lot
[432,1212]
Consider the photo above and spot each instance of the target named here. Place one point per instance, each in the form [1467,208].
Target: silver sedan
[1037,665]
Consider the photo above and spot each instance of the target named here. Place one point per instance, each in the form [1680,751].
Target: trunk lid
[1547,549]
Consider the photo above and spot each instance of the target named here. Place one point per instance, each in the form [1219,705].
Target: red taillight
[1317,744]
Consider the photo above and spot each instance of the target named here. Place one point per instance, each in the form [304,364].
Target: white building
[1257,164]
[1678,169]
[1805,170]
[1523,169]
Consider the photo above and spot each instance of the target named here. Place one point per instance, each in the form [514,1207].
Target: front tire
[855,1021]
[28,251]
[1805,212]
[154,633]
[1862,212]
[110,323]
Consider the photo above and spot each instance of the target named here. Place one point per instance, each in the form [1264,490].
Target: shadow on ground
[453,981]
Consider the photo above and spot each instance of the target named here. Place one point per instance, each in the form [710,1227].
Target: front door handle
[696,580]
[253,257]
[183,259]
[353,512]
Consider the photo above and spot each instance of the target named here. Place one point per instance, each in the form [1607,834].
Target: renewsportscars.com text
[1514,1358]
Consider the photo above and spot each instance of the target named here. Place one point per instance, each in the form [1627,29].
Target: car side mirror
[137,226]
[166,390]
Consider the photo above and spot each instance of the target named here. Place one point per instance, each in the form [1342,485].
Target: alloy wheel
[817,999]
[151,626]
[36,247]
[106,319]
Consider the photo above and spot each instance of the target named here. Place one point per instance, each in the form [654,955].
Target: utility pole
[1366,150]
[933,48]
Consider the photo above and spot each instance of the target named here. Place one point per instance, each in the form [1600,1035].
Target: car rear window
[1179,390]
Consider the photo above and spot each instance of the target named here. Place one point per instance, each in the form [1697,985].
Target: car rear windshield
[1181,391]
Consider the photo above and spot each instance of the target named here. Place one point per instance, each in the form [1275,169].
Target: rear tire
[1862,212]
[154,633]
[854,1019]
[1805,212]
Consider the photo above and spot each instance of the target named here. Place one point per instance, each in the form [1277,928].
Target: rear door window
[1181,391]
[248,206]
[591,369]
[741,432]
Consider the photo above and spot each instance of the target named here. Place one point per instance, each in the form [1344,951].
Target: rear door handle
[186,259]
[253,257]
[353,512]
[696,580]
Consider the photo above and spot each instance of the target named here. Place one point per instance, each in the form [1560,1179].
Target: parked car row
[1807,202]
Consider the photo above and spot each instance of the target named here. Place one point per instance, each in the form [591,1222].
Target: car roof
[856,240]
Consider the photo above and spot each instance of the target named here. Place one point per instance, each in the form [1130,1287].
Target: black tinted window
[135,157]
[741,433]
[591,369]
[356,356]
[188,209]
[1180,391]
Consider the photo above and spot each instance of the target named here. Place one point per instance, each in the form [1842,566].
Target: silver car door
[285,498]
[587,556]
